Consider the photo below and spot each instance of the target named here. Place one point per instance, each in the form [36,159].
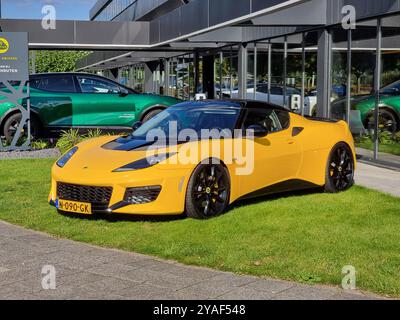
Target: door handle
[291,141]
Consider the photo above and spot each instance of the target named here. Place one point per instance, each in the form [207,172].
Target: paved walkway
[380,179]
[88,272]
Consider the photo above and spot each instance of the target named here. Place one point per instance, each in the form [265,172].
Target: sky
[32,9]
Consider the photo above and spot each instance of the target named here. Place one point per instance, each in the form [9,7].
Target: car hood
[106,154]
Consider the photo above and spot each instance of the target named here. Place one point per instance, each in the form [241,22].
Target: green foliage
[57,61]
[68,139]
[72,137]
[39,145]
[397,137]
[386,137]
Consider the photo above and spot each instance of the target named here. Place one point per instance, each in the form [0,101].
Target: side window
[94,85]
[277,91]
[35,83]
[284,118]
[262,88]
[59,83]
[272,120]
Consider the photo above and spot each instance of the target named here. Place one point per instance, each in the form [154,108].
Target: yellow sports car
[199,157]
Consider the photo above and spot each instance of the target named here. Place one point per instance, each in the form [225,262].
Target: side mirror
[123,92]
[136,125]
[259,130]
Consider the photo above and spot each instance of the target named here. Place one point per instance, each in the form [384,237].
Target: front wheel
[208,191]
[340,169]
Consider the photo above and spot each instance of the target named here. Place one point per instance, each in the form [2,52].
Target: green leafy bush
[397,137]
[39,145]
[72,137]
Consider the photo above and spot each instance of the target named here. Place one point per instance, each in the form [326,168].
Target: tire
[151,114]
[12,122]
[339,169]
[208,192]
[388,121]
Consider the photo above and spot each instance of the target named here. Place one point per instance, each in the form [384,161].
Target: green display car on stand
[389,108]
[60,101]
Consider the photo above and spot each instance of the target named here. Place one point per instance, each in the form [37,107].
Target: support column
[324,74]
[196,62]
[167,76]
[149,68]
[242,71]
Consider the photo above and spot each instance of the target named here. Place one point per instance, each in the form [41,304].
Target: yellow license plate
[75,207]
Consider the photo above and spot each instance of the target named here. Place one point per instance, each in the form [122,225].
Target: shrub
[397,137]
[386,137]
[72,137]
[39,145]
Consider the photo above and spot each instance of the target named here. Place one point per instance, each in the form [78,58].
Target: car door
[277,156]
[102,103]
[51,99]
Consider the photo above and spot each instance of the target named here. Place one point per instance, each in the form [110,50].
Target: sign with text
[14,63]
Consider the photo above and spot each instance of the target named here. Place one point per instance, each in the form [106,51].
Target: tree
[56,61]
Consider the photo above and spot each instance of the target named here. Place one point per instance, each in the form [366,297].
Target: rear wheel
[12,123]
[387,121]
[151,114]
[208,191]
[340,169]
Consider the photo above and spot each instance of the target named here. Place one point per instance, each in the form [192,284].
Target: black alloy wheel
[387,122]
[208,191]
[340,169]
[11,126]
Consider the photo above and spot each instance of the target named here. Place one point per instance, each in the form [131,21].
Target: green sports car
[76,100]
[389,108]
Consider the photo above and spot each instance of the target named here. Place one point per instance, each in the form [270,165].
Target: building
[303,54]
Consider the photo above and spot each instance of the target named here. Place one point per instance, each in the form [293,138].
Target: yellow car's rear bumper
[170,201]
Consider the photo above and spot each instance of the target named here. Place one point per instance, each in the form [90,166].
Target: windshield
[392,88]
[196,118]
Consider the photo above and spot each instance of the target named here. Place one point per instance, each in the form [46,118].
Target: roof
[239,103]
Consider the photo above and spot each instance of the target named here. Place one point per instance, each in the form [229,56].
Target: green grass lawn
[386,148]
[303,237]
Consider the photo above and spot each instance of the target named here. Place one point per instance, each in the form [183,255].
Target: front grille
[142,195]
[99,197]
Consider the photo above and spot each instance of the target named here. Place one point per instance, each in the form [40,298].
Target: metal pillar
[285,59]
[149,69]
[269,71]
[303,74]
[196,68]
[167,76]
[349,63]
[324,75]
[255,72]
[377,85]
[242,71]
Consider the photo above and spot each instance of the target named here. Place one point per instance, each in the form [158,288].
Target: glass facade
[361,84]
[365,85]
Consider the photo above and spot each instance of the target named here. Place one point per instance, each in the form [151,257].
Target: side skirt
[285,186]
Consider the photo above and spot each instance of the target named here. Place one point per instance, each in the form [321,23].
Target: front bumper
[170,200]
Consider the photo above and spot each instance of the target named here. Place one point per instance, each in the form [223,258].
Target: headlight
[66,157]
[145,163]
